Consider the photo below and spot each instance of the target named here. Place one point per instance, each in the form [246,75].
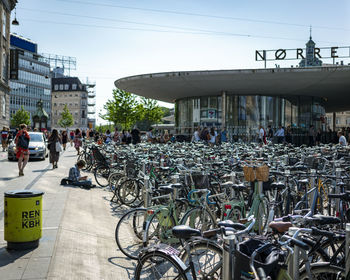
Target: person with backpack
[22,144]
[4,138]
[54,152]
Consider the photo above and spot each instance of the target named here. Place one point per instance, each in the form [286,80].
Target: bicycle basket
[200,181]
[249,173]
[262,173]
[267,260]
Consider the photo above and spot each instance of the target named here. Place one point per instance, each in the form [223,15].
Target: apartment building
[71,92]
[6,6]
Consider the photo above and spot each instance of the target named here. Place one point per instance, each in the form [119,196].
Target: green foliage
[21,116]
[166,111]
[151,113]
[123,109]
[126,110]
[104,127]
[66,119]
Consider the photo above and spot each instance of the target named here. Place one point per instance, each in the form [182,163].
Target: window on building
[348,121]
[4,25]
[61,86]
[83,114]
[4,66]
[3,103]
[55,104]
[337,120]
[76,95]
[74,86]
[76,113]
[76,104]
[66,87]
[56,87]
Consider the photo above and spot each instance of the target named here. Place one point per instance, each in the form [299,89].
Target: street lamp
[15,21]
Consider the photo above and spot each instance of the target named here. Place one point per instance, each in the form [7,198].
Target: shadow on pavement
[10,256]
[8,178]
[42,170]
[130,269]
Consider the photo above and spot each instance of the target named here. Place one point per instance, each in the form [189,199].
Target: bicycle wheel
[113,180]
[128,192]
[198,218]
[235,214]
[101,174]
[159,265]
[158,229]
[129,232]
[323,271]
[261,215]
[207,259]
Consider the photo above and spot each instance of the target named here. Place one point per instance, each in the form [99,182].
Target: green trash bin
[23,219]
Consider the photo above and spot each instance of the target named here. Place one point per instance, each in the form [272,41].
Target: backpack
[23,142]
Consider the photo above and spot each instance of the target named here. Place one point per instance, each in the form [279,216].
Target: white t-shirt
[342,140]
[261,133]
[196,136]
[213,138]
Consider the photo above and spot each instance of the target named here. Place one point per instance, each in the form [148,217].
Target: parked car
[37,147]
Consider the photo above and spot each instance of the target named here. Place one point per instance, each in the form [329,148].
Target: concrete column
[223,109]
[334,120]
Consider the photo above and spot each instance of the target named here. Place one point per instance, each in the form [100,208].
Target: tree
[21,116]
[123,109]
[66,119]
[151,113]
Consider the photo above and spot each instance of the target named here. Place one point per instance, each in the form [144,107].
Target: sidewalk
[78,234]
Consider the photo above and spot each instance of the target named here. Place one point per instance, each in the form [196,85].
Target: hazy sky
[112,39]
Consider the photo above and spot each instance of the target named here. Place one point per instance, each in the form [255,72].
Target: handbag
[58,147]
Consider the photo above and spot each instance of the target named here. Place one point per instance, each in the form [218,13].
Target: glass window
[74,86]
[61,86]
[66,87]
[56,87]
[4,20]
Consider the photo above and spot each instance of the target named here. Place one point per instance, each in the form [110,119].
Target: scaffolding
[65,62]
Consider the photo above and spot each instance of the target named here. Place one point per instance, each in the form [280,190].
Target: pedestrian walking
[196,135]
[135,134]
[108,137]
[280,135]
[213,135]
[64,139]
[22,144]
[4,138]
[342,139]
[71,135]
[54,143]
[77,140]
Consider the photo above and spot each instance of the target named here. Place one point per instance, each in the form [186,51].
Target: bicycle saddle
[239,187]
[230,224]
[280,227]
[278,185]
[303,181]
[228,184]
[185,232]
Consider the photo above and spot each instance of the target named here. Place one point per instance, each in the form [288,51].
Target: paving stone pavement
[78,234]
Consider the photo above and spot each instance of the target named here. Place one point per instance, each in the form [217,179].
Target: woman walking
[22,143]
[64,139]
[54,153]
[77,140]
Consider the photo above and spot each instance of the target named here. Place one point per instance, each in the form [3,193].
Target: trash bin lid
[23,193]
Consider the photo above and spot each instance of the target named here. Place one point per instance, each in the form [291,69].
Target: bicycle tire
[128,192]
[130,230]
[261,215]
[209,267]
[113,180]
[158,228]
[195,216]
[101,174]
[323,271]
[154,265]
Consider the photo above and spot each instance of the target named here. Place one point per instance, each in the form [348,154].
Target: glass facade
[33,84]
[243,114]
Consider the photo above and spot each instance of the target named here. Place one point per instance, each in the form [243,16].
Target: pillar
[334,120]
[223,108]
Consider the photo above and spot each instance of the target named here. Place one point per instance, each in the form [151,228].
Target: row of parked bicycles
[235,211]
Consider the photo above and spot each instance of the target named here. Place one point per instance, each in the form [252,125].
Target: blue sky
[112,39]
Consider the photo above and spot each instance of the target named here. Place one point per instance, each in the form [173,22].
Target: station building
[241,100]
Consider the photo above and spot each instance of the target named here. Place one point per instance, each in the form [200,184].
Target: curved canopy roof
[330,83]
